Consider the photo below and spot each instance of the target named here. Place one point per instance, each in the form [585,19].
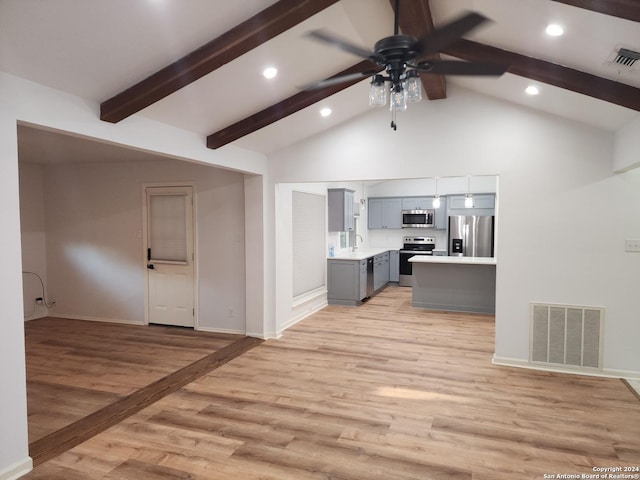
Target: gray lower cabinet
[394,266]
[380,271]
[346,281]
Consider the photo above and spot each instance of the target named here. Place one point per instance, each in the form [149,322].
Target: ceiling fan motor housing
[394,53]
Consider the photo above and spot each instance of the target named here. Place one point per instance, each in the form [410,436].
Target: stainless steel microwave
[417,218]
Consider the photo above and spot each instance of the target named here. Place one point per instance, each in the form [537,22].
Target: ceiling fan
[397,56]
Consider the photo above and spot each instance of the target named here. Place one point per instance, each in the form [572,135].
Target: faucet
[355,243]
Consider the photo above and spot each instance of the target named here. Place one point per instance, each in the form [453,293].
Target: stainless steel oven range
[413,246]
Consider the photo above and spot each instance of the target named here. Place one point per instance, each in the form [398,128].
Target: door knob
[151,266]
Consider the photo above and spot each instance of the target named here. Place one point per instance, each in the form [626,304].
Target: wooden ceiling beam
[550,73]
[627,9]
[284,108]
[415,19]
[250,34]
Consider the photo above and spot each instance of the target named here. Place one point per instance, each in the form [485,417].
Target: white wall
[14,451]
[286,312]
[33,238]
[95,257]
[563,214]
[29,103]
[627,146]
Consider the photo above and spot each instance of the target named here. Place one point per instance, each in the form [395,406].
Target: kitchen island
[456,284]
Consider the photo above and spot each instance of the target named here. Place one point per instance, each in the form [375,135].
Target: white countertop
[361,254]
[454,260]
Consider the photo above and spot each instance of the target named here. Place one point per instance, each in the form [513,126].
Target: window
[309,256]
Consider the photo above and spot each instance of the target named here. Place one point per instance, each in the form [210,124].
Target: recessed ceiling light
[325,112]
[554,30]
[270,72]
[532,90]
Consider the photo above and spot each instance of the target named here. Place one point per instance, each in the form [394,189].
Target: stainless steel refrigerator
[471,235]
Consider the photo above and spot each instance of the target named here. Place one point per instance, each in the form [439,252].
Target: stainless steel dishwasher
[369,276]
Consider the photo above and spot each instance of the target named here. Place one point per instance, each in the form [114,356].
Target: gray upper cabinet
[478,200]
[482,204]
[417,203]
[440,220]
[340,202]
[385,212]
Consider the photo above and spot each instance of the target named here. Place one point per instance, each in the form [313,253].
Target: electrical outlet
[632,245]
[39,301]
[231,312]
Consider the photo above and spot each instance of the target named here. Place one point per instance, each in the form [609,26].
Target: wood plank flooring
[75,367]
[378,392]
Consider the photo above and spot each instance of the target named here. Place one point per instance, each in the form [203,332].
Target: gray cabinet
[346,281]
[417,203]
[440,220]
[380,271]
[394,266]
[340,205]
[385,212]
[478,200]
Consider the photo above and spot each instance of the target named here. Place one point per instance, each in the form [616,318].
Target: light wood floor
[76,367]
[379,392]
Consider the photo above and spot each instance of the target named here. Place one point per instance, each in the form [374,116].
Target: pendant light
[436,197]
[468,198]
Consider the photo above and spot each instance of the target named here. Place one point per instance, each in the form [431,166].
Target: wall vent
[566,335]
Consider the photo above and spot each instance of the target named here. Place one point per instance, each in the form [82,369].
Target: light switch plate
[632,245]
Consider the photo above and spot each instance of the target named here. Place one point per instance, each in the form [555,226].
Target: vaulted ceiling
[196,64]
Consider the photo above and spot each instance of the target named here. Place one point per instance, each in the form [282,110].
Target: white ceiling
[97,48]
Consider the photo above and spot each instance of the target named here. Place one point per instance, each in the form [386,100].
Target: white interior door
[170,255]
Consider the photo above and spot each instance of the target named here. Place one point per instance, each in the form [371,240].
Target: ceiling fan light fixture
[413,85]
[377,92]
[399,98]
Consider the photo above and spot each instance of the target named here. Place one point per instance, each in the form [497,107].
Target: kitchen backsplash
[393,238]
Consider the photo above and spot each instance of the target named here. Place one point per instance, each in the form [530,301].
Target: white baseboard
[36,316]
[304,310]
[264,336]
[99,319]
[221,330]
[17,470]
[605,372]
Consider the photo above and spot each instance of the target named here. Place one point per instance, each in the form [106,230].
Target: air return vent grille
[566,335]
[628,58]
[623,60]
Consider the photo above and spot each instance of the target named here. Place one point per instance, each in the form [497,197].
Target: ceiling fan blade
[448,34]
[454,67]
[336,80]
[342,44]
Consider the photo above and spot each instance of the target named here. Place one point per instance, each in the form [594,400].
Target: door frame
[145,240]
